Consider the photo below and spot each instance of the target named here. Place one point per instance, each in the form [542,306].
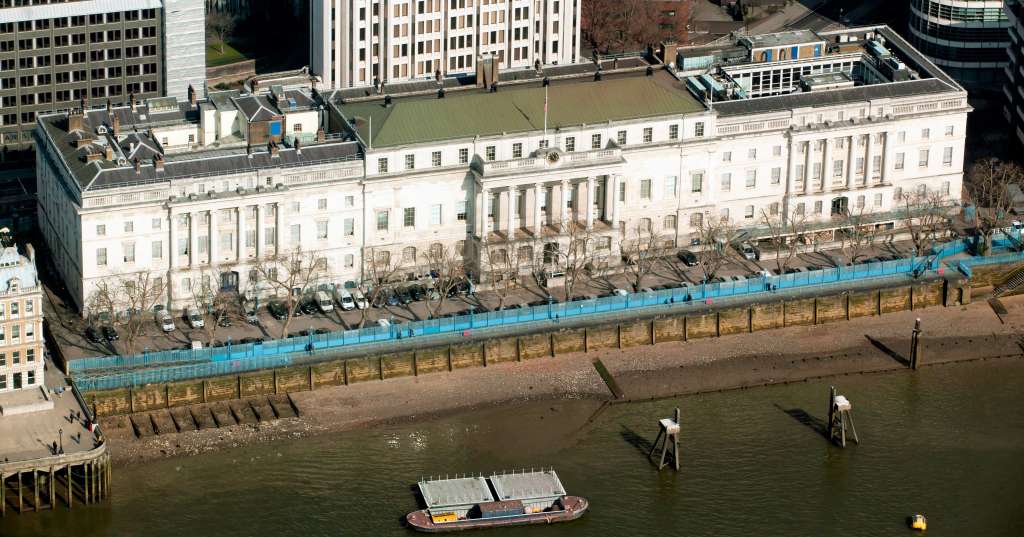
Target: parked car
[359,299]
[345,300]
[647,290]
[320,331]
[110,334]
[223,320]
[194,317]
[383,323]
[417,291]
[404,296]
[92,335]
[249,307]
[308,306]
[512,307]
[749,251]
[323,301]
[687,257]
[391,297]
[277,310]
[163,318]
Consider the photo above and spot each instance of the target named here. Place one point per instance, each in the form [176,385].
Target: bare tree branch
[642,251]
[987,187]
[380,269]
[447,270]
[219,27]
[784,237]
[282,274]
[715,236]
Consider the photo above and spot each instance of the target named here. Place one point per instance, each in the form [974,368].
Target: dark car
[92,335]
[308,307]
[404,296]
[417,292]
[277,310]
[320,331]
[580,298]
[687,257]
[110,334]
[224,321]
[544,301]
[391,297]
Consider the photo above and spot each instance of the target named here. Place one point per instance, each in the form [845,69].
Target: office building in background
[966,38]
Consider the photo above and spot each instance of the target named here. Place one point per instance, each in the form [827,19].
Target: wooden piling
[3,501]
[52,491]
[71,499]
[35,489]
[20,499]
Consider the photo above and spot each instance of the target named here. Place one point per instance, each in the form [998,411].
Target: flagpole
[545,115]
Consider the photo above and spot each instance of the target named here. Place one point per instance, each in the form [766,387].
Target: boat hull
[574,507]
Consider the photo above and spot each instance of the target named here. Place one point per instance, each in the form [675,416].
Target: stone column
[213,242]
[486,223]
[261,250]
[590,202]
[616,181]
[563,207]
[887,155]
[278,221]
[868,158]
[851,161]
[193,239]
[240,248]
[808,166]
[510,194]
[609,194]
[538,201]
[826,167]
[173,253]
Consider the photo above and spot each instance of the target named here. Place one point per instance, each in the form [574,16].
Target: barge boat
[505,499]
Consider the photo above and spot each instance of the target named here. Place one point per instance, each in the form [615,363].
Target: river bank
[866,345]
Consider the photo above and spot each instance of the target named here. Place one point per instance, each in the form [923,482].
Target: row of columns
[89,480]
[508,202]
[852,153]
[213,235]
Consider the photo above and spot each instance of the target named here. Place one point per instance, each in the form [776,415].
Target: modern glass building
[966,38]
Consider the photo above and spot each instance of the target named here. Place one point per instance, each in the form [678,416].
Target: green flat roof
[465,114]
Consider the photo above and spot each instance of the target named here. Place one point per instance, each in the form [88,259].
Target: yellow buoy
[918,522]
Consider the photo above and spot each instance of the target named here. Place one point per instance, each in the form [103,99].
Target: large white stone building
[21,320]
[362,42]
[783,124]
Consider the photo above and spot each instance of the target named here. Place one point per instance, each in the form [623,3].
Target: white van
[360,299]
[345,299]
[324,302]
[195,319]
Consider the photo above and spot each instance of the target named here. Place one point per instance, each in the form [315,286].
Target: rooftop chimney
[158,162]
[191,96]
[110,108]
[131,101]
[90,156]
[274,150]
[31,252]
[108,152]
[116,124]
[298,146]
[321,135]
[137,165]
[75,121]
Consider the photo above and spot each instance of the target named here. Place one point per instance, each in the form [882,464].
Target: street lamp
[60,433]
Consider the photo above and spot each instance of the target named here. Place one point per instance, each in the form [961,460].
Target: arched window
[436,250]
[409,254]
[696,219]
[525,255]
[670,222]
[645,225]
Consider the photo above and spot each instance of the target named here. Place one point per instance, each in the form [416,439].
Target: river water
[946,441]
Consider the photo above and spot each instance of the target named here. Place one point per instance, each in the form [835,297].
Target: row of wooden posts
[41,488]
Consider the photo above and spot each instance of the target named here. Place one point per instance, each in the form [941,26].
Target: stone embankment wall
[711,322]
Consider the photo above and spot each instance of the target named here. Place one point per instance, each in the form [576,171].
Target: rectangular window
[817,207]
[321,204]
[859,169]
[876,164]
[816,171]
[837,168]
[620,138]
[491,152]
[727,156]
[751,178]
[673,132]
[101,230]
[129,226]
[595,141]
[670,186]
[947,156]
[321,229]
[777,151]
[752,153]
[460,211]
[698,129]
[622,191]
[250,238]
[517,150]
[926,134]
[101,257]
[776,176]
[435,215]
[270,236]
[726,182]
[799,172]
[158,250]
[878,200]
[382,165]
[645,189]
[799,209]
[410,162]
[697,181]
[648,135]
[949,130]
[295,232]
[463,155]
[570,144]
[748,212]
[409,217]
[350,201]
[157,223]
[382,220]
[350,227]
[900,157]
[922,158]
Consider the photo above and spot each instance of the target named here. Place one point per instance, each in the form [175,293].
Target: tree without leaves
[380,270]
[642,251]
[133,296]
[219,27]
[620,25]
[987,187]
[576,258]
[215,304]
[504,268]
[784,237]
[715,236]
[282,273]
[857,233]
[447,270]
[925,216]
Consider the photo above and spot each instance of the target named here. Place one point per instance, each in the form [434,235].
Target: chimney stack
[108,152]
[191,96]
[90,156]
[110,108]
[321,135]
[274,150]
[116,125]
[31,251]
[75,121]
[158,162]
[298,146]
[131,101]
[137,165]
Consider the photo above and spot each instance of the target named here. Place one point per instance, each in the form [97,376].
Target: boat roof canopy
[533,485]
[455,493]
